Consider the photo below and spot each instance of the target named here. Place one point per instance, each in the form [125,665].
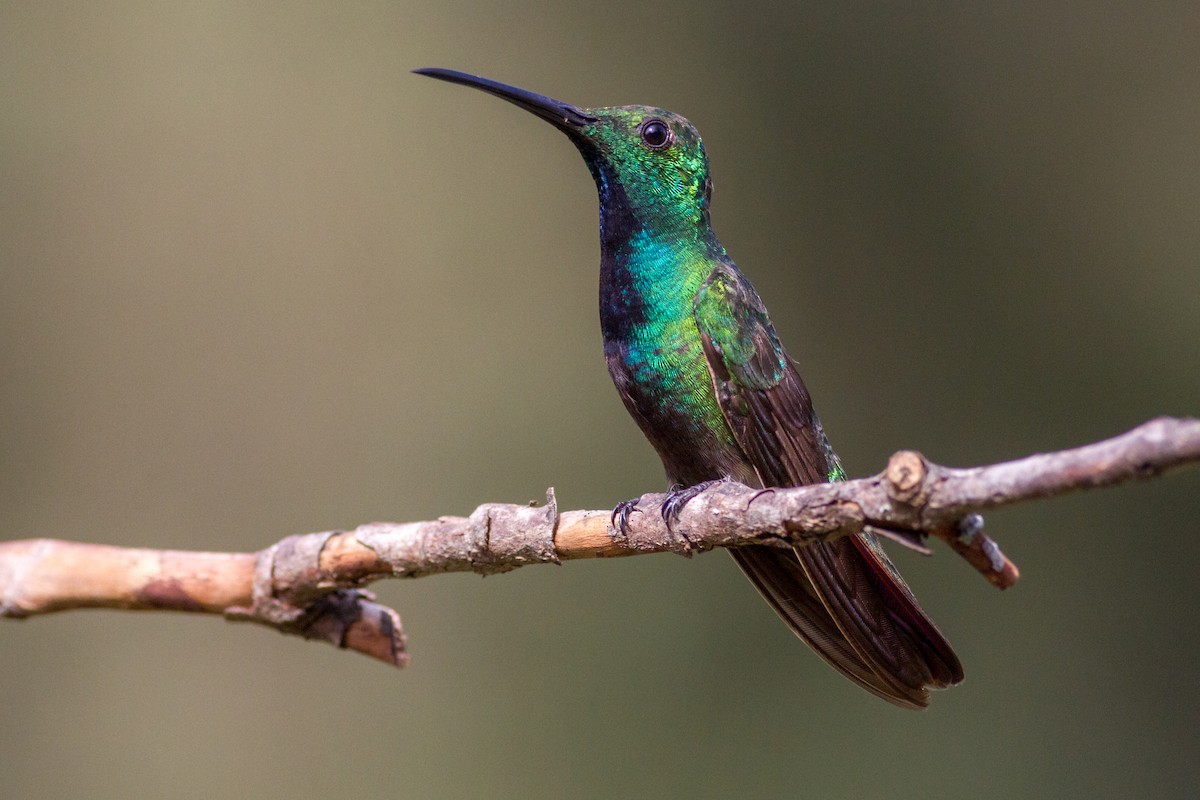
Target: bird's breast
[662,377]
[655,355]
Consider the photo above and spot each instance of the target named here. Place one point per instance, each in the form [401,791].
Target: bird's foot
[680,496]
[672,507]
[620,514]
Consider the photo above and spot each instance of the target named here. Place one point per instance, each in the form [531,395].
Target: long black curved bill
[563,116]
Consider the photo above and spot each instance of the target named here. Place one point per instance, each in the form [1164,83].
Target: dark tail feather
[848,607]
[907,615]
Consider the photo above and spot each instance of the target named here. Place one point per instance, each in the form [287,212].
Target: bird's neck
[651,261]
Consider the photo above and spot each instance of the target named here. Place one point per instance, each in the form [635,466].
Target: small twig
[310,585]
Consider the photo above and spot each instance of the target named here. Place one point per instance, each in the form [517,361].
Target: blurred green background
[257,279]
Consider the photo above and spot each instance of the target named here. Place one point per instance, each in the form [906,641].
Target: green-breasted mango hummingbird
[700,367]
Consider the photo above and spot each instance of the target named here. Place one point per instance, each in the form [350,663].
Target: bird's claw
[672,507]
[620,514]
[680,496]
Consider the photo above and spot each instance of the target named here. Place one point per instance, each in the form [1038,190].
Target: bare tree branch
[310,585]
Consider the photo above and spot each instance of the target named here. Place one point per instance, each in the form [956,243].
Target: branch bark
[311,585]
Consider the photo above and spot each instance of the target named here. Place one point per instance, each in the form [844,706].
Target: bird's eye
[656,134]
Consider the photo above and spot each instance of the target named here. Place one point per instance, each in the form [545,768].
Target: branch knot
[906,473]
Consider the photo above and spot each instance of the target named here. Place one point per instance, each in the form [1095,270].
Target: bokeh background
[257,279]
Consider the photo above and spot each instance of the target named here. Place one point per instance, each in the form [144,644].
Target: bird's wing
[843,597]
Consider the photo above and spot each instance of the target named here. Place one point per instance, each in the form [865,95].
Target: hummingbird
[699,366]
